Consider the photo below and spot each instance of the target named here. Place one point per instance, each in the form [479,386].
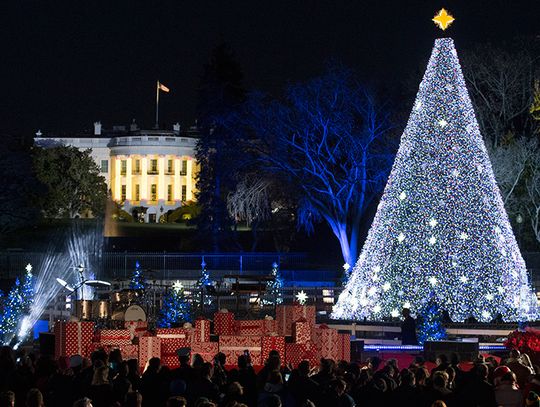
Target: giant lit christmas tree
[441,231]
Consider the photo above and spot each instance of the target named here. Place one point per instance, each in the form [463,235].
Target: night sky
[67,63]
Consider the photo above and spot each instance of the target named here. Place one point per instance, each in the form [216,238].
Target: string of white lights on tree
[441,232]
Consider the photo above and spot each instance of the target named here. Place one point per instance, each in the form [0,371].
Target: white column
[129,196]
[189,179]
[161,178]
[117,192]
[144,178]
[177,189]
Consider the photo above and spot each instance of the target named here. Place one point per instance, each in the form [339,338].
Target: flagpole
[157,105]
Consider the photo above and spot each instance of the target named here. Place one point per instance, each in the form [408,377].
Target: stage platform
[388,333]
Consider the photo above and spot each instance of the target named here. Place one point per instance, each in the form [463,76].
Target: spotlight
[64,284]
[97,283]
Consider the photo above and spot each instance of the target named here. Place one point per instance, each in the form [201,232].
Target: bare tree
[501,86]
[327,139]
[250,201]
[533,193]
[510,163]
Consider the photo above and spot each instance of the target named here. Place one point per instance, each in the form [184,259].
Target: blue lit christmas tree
[430,326]
[176,308]
[274,287]
[27,290]
[11,313]
[137,280]
[440,226]
[203,281]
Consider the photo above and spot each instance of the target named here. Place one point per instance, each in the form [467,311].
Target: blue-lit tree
[274,287]
[440,226]
[430,324]
[326,141]
[175,309]
[27,290]
[203,281]
[137,279]
[11,313]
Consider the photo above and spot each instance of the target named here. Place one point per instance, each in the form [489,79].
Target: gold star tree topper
[442,19]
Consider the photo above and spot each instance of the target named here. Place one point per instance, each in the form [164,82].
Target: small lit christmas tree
[274,287]
[430,326]
[11,313]
[27,290]
[203,281]
[176,307]
[137,280]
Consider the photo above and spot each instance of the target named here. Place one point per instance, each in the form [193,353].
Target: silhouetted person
[301,386]
[408,328]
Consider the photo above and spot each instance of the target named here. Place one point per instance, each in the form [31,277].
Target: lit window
[184,193]
[184,168]
[104,166]
[153,167]
[123,167]
[153,192]
[137,167]
[137,192]
[328,296]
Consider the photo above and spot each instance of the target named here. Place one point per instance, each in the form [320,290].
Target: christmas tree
[274,287]
[431,326]
[137,280]
[27,290]
[440,228]
[176,308]
[203,281]
[11,313]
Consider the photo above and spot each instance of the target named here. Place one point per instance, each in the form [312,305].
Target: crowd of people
[105,380]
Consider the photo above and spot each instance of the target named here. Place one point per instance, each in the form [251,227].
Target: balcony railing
[151,140]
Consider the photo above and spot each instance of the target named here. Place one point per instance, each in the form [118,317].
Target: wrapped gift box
[249,328]
[301,331]
[175,333]
[326,340]
[206,349]
[136,328]
[297,352]
[173,339]
[270,343]
[149,347]
[72,338]
[129,351]
[286,315]
[171,361]
[201,331]
[116,337]
[94,346]
[224,323]
[270,326]
[233,346]
[344,347]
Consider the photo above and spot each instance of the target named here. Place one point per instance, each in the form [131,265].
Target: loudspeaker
[357,347]
[46,343]
[466,351]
